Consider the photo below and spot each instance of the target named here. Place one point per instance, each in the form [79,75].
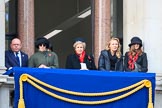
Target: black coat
[72,62]
[142,61]
[104,62]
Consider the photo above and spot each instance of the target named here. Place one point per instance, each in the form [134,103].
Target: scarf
[131,61]
[81,57]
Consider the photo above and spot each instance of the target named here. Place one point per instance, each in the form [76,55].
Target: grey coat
[104,62]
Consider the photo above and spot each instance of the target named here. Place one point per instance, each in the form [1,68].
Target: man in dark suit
[15,57]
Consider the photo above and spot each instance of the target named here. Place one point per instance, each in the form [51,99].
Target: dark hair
[79,39]
[50,47]
[41,41]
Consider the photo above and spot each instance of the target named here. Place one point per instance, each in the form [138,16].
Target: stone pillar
[6,86]
[143,18]
[2,35]
[26,25]
[4,92]
[133,14]
[102,26]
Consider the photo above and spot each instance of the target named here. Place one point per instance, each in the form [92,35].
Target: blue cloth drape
[82,81]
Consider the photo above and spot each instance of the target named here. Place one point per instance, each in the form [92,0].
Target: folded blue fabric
[9,72]
[85,81]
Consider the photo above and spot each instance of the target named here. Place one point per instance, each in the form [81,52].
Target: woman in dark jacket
[135,58]
[80,60]
[111,59]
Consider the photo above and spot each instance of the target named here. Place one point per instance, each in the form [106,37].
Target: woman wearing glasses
[43,58]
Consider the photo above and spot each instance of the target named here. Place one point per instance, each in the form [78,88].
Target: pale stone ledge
[2,70]
[159,81]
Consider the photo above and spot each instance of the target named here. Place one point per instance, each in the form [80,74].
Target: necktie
[17,58]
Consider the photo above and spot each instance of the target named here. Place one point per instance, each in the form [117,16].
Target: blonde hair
[79,42]
[118,52]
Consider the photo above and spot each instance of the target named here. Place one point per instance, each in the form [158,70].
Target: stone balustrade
[6,91]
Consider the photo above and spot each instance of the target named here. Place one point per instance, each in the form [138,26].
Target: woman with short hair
[80,59]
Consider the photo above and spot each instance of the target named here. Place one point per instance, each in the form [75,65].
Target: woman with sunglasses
[43,58]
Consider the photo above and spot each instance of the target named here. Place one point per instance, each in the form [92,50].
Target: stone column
[133,17]
[6,86]
[26,25]
[102,26]
[2,35]
[143,18]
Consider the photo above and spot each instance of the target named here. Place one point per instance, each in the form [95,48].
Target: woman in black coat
[135,58]
[111,59]
[80,60]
